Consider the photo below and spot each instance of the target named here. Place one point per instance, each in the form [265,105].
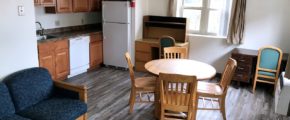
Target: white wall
[65,19]
[267,23]
[18,45]
[140,10]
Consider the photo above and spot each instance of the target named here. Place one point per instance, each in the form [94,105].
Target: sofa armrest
[81,90]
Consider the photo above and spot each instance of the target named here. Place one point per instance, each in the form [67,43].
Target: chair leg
[222,107]
[132,100]
[162,114]
[254,86]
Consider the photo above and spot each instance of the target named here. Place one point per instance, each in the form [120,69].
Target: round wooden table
[181,66]
[177,66]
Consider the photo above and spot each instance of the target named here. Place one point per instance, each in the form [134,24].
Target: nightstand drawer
[244,77]
[243,68]
[242,59]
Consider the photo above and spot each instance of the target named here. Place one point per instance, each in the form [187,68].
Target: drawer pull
[240,68]
[239,75]
[242,60]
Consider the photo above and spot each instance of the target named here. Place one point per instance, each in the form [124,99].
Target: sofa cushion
[55,109]
[6,103]
[13,117]
[29,86]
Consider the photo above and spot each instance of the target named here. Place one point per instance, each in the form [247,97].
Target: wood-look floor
[109,89]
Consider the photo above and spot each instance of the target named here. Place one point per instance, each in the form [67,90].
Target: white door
[116,43]
[116,11]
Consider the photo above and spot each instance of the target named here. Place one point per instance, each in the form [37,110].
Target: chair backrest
[228,73]
[29,82]
[165,41]
[269,58]
[177,92]
[130,65]
[175,53]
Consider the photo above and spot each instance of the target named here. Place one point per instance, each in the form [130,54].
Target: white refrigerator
[117,32]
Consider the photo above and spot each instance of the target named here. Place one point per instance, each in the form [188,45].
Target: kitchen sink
[44,37]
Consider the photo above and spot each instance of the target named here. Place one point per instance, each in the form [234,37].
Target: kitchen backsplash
[50,21]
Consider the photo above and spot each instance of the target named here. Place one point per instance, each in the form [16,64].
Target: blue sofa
[31,94]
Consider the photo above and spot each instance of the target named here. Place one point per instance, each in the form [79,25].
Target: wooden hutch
[154,27]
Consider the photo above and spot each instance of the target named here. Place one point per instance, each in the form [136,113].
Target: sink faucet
[41,31]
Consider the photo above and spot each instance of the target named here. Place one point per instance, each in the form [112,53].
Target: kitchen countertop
[69,34]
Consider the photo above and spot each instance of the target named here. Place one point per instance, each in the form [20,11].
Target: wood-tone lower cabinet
[96,50]
[80,5]
[61,63]
[54,56]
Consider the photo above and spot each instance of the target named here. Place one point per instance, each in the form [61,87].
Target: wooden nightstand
[246,60]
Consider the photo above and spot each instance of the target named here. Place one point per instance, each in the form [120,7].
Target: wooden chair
[165,41]
[140,85]
[175,53]
[212,91]
[268,66]
[177,94]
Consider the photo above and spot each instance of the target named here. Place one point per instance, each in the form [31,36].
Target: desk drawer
[142,47]
[142,56]
[140,66]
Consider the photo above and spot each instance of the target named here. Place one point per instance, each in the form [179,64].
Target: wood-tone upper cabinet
[36,2]
[64,6]
[54,56]
[95,5]
[45,2]
[96,50]
[80,5]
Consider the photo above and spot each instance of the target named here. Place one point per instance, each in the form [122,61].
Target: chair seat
[204,88]
[13,117]
[145,83]
[267,73]
[55,109]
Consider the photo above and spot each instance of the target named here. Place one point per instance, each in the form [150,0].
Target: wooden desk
[247,60]
[178,66]
[148,49]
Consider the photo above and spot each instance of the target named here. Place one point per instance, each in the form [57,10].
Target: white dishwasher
[79,55]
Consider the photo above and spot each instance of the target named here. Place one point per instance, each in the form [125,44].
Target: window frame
[204,19]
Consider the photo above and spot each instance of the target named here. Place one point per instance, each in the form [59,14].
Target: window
[206,17]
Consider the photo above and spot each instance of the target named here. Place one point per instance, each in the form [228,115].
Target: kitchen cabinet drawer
[142,56]
[61,44]
[143,47]
[45,47]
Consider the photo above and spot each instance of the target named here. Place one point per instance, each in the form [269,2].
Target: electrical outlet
[57,23]
[21,11]
[83,21]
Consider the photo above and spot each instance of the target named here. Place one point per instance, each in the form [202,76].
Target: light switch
[21,11]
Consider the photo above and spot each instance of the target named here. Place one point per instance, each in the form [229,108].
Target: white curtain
[174,7]
[237,22]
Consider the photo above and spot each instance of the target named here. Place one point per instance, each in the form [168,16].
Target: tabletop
[181,66]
